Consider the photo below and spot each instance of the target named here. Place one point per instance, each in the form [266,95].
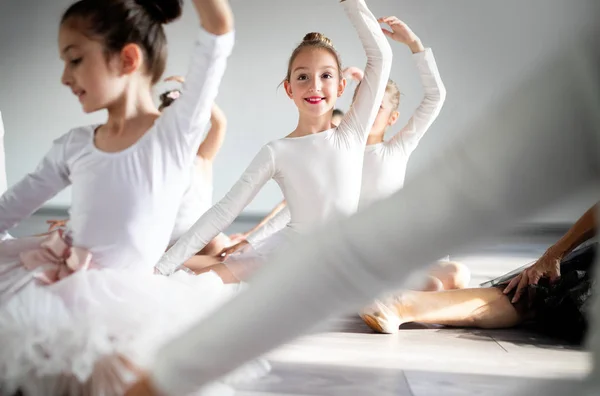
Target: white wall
[483,48]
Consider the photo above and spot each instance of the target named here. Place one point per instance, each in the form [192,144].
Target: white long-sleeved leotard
[384,166]
[124,203]
[319,174]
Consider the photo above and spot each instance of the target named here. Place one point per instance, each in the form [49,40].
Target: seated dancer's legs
[226,275]
[207,257]
[217,245]
[199,263]
[235,269]
[486,308]
[443,275]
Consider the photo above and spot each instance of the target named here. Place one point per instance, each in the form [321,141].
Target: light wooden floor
[419,361]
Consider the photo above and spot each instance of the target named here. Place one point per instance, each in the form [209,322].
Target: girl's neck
[312,125]
[130,109]
[375,138]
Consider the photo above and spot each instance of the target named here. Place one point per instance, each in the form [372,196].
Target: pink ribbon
[57,259]
[174,95]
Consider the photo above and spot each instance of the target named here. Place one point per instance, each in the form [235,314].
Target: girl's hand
[353,73]
[401,33]
[232,249]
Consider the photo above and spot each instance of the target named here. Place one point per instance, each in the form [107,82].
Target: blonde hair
[314,40]
[391,89]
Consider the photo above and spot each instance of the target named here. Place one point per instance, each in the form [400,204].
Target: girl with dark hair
[81,309]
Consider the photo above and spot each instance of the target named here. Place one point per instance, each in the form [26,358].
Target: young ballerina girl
[317,166]
[385,162]
[197,198]
[81,310]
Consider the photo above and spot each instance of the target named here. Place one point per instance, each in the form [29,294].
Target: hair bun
[162,11]
[317,37]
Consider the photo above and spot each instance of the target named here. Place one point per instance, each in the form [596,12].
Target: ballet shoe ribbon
[55,258]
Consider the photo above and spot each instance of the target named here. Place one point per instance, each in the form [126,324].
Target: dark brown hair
[117,23]
[167,98]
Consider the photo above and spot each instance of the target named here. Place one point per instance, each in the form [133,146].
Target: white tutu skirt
[73,337]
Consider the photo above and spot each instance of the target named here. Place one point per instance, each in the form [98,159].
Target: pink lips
[315,99]
[79,94]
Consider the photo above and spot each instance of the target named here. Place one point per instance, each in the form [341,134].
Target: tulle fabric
[78,335]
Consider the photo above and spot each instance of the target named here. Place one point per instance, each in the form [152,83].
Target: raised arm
[26,196]
[434,91]
[359,119]
[221,215]
[213,141]
[215,16]
[181,125]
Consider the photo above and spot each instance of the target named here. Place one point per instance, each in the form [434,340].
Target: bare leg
[220,269]
[481,307]
[207,257]
[200,262]
[215,246]
[444,275]
[238,267]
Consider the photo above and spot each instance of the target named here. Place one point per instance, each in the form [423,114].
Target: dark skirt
[562,309]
